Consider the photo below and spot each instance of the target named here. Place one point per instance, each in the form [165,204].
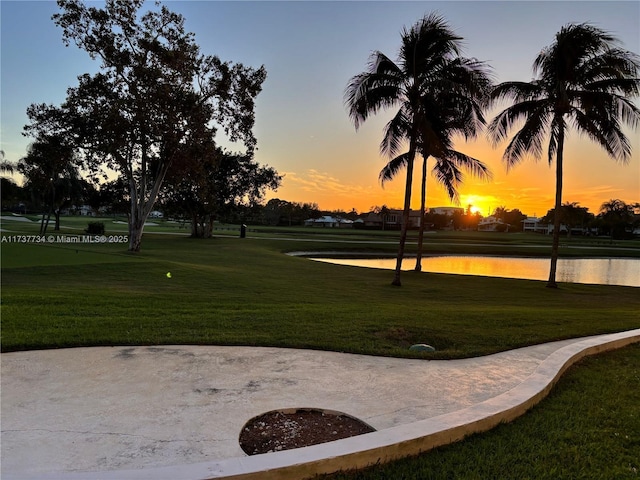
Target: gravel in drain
[276,431]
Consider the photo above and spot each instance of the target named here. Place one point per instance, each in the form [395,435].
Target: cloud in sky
[329,192]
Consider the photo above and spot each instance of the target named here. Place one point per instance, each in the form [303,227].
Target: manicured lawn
[245,291]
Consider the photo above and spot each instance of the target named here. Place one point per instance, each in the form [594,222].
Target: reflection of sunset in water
[606,271]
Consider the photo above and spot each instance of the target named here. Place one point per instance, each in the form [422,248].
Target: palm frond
[396,132]
[612,64]
[604,130]
[377,88]
[528,139]
[603,103]
[623,86]
[475,167]
[516,91]
[574,44]
[449,176]
[502,124]
[427,44]
[393,167]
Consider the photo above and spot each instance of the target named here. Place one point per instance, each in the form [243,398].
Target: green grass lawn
[229,290]
[234,291]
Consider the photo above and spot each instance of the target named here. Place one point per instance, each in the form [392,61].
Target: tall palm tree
[582,79]
[423,84]
[455,97]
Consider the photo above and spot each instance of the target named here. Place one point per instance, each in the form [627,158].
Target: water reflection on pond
[605,271]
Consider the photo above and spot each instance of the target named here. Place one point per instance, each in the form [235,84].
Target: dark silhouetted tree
[583,79]
[438,94]
[51,177]
[154,97]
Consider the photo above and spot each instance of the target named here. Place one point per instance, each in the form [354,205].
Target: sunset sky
[310,51]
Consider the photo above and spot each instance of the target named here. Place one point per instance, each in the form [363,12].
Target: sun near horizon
[591,178]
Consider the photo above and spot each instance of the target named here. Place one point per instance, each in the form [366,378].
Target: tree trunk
[136,224]
[135,236]
[208,228]
[45,223]
[141,202]
[556,214]
[405,214]
[194,225]
[56,214]
[43,230]
[423,202]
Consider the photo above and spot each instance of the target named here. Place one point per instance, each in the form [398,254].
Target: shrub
[95,228]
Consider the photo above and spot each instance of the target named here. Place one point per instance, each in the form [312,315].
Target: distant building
[492,224]
[328,221]
[449,211]
[371,220]
[535,225]
[390,220]
[86,210]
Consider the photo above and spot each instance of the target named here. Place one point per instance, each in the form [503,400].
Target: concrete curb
[384,445]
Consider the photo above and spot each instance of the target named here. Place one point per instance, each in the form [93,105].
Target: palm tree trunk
[405,214]
[423,202]
[551,283]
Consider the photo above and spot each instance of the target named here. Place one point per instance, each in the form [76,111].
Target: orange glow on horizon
[590,178]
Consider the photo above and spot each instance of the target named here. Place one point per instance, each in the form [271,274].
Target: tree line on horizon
[616,219]
[152,112]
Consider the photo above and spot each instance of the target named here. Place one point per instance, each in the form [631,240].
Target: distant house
[86,210]
[371,220]
[535,225]
[449,211]
[327,221]
[492,224]
[345,223]
[390,220]
[414,219]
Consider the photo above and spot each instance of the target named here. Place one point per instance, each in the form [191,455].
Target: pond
[604,271]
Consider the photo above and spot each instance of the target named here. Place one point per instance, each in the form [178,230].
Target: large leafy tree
[51,177]
[218,185]
[154,97]
[437,93]
[10,192]
[618,217]
[572,215]
[5,165]
[582,80]
[513,217]
[282,212]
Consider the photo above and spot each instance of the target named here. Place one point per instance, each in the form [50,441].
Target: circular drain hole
[294,428]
